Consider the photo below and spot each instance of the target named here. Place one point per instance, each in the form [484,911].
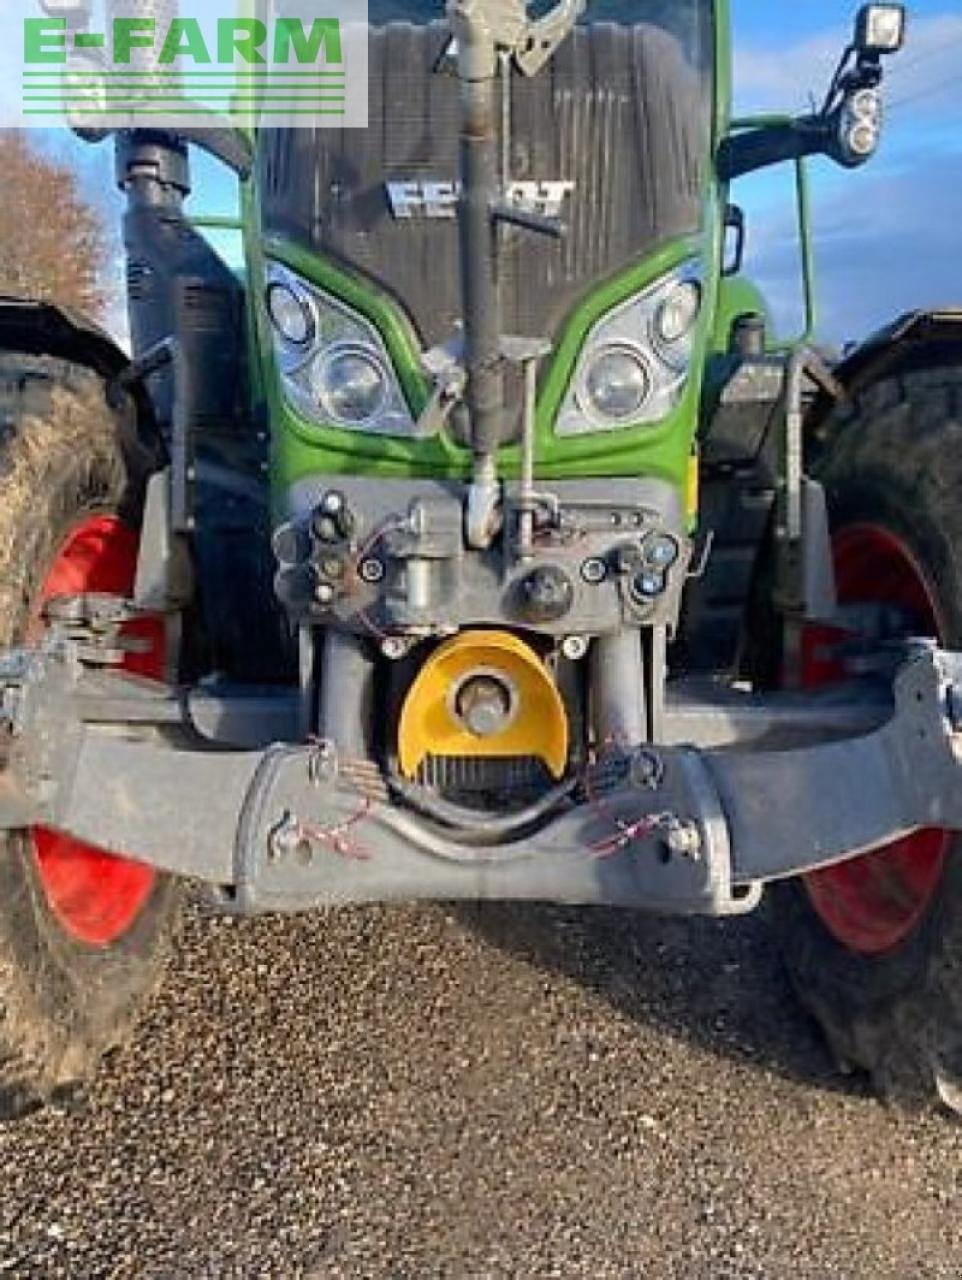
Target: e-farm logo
[287,63]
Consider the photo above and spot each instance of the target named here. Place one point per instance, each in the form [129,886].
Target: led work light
[880,28]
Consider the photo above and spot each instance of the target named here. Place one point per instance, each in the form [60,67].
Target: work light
[880,28]
[860,125]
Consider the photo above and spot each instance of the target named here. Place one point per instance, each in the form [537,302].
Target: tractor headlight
[350,384]
[675,322]
[617,383]
[635,362]
[291,313]
[333,365]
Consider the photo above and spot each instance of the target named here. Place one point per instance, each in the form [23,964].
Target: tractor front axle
[743,790]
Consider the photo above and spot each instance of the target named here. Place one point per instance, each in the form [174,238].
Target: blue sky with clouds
[888,237]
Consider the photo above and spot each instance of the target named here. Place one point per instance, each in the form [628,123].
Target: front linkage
[675,809]
[188,781]
[471,692]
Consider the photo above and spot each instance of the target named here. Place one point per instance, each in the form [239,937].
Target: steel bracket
[682,828]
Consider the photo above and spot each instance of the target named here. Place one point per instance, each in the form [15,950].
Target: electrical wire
[930,91]
[917,60]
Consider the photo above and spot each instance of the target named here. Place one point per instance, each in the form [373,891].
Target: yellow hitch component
[487,694]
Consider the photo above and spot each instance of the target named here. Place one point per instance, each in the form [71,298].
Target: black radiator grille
[620,112]
[486,783]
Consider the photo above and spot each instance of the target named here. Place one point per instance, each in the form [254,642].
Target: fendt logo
[439,200]
[298,63]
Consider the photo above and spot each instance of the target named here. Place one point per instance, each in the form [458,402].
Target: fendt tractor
[481,540]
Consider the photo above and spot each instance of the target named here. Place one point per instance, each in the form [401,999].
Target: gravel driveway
[459,1092]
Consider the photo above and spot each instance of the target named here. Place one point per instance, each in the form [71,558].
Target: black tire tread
[63,451]
[895,456]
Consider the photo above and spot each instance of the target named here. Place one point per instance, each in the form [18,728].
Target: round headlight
[350,385]
[677,313]
[291,314]
[617,383]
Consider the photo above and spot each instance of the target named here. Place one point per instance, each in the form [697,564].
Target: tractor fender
[916,340]
[32,327]
[40,328]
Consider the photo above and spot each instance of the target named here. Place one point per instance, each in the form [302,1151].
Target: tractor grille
[620,112]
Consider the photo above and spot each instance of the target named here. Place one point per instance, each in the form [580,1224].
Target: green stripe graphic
[176,111]
[178,97]
[240,92]
[183,75]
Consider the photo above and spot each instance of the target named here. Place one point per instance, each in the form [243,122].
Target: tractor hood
[613,135]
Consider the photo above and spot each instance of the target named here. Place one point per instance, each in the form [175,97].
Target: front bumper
[131,766]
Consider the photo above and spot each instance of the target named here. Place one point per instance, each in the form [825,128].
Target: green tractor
[480,540]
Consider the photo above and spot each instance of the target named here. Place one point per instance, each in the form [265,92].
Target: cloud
[887,243]
[926,76]
[887,237]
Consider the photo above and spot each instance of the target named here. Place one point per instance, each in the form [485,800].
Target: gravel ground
[505,1092]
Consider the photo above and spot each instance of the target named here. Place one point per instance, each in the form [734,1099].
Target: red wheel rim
[97,896]
[873,904]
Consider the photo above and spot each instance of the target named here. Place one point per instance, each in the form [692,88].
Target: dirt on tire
[64,453]
[893,460]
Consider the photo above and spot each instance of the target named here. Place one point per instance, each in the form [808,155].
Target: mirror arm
[757,148]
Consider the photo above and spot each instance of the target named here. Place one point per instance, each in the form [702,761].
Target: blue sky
[888,237]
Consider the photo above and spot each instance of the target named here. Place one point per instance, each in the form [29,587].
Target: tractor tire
[82,934]
[874,948]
